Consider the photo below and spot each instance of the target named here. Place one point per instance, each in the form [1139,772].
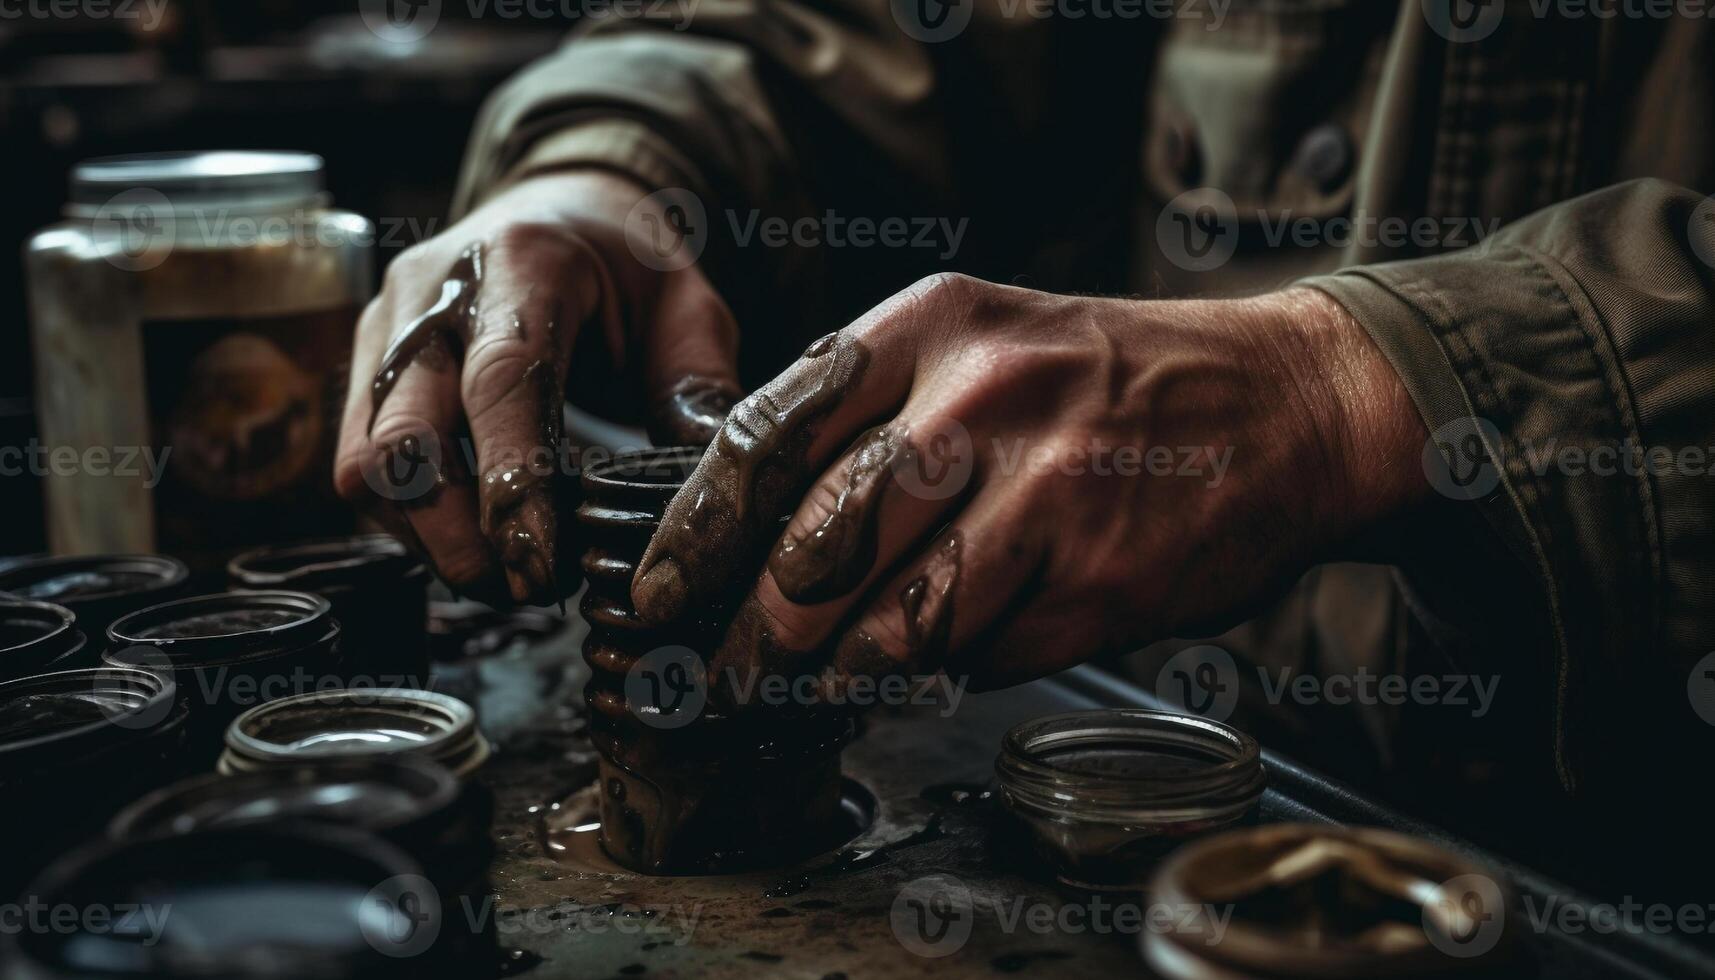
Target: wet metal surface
[562,909]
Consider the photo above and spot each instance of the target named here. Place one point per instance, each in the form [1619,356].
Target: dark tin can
[98,588]
[379,592]
[230,651]
[38,638]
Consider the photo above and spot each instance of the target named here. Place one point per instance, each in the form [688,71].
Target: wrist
[1363,420]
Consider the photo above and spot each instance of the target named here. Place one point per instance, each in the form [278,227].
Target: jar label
[247,411]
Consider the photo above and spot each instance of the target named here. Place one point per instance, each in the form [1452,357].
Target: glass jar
[230,651]
[98,588]
[356,724]
[379,592]
[1105,794]
[75,746]
[192,321]
[37,638]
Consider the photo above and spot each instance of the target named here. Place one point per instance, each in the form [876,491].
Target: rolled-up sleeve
[1576,346]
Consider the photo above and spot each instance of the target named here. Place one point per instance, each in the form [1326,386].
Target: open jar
[75,746]
[356,724]
[1106,794]
[192,320]
[229,651]
[98,588]
[36,638]
[379,593]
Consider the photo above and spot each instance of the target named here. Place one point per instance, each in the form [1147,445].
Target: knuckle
[821,501]
[348,481]
[493,370]
[795,627]
[527,238]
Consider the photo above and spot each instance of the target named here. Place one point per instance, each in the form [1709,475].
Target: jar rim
[432,786]
[313,614]
[456,743]
[636,469]
[1235,771]
[312,562]
[168,572]
[151,687]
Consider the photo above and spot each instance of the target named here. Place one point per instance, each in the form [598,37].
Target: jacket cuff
[623,146]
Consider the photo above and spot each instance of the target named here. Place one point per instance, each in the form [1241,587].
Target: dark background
[391,120]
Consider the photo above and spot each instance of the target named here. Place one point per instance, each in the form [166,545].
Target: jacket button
[1324,156]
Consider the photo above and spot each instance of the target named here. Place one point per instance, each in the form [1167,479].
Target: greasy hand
[472,335]
[1003,482]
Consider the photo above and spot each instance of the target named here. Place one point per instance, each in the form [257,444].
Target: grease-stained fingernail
[692,413]
[519,520]
[660,594]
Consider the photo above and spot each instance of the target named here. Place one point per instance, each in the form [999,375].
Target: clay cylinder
[713,793]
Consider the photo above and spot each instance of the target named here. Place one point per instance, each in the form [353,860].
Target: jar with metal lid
[229,652]
[38,638]
[379,592]
[192,321]
[1106,794]
[356,724]
[98,588]
[75,746]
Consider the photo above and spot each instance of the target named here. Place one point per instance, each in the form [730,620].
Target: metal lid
[199,178]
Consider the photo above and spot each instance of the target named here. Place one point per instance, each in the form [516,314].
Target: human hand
[473,332]
[1003,482]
